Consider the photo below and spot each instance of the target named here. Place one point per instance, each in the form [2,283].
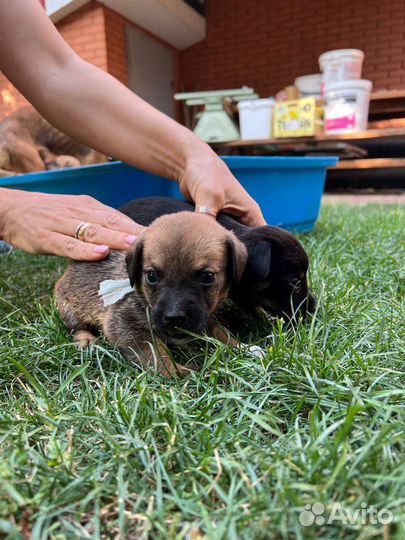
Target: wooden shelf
[387,104]
[359,136]
[375,163]
[387,94]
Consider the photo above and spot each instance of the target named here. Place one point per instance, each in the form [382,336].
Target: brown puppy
[28,143]
[181,270]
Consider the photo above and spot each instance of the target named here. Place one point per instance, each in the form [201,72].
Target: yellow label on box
[297,118]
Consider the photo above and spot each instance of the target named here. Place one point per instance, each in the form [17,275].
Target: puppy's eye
[207,278]
[151,277]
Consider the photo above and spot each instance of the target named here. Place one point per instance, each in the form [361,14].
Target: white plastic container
[309,85]
[341,65]
[255,118]
[347,105]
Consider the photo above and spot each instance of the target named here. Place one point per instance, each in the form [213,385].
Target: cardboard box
[298,118]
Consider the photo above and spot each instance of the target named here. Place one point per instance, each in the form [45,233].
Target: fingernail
[101,249]
[130,239]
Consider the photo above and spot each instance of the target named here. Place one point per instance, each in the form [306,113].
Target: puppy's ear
[259,257]
[237,257]
[134,260]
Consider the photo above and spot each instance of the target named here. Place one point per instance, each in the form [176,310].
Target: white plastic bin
[340,65]
[255,118]
[347,105]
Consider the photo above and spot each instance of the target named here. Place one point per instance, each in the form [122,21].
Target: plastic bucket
[340,65]
[255,118]
[347,105]
[309,85]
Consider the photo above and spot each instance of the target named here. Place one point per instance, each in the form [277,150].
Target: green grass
[92,448]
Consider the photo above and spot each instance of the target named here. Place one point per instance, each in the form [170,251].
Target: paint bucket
[340,65]
[347,105]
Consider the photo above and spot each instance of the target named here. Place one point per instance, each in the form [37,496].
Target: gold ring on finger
[81,230]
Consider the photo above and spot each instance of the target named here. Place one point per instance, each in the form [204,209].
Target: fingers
[106,227]
[209,201]
[207,210]
[66,246]
[44,223]
[113,219]
[251,216]
[254,216]
[110,227]
[93,233]
[241,206]
[213,189]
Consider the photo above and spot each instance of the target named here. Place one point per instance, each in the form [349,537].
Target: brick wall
[97,34]
[267,43]
[261,43]
[84,30]
[116,45]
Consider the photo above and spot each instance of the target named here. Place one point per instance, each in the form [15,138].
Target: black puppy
[275,277]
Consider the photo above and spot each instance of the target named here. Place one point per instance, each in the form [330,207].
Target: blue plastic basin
[288,189]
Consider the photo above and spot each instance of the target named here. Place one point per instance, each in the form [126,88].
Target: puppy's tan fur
[28,143]
[180,245]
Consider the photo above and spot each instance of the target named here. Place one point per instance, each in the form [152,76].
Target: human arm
[97,110]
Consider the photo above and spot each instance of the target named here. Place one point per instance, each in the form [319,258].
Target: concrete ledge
[172,21]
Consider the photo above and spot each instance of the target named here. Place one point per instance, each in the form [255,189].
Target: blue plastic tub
[288,189]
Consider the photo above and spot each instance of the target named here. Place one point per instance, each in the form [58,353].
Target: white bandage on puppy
[112,290]
[254,351]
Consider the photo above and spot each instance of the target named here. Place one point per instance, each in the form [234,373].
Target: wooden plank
[358,136]
[387,94]
[376,163]
[387,104]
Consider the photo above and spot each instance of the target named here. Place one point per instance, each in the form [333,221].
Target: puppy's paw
[170,369]
[83,338]
[159,359]
[63,162]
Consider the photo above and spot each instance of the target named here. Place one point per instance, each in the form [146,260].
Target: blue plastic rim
[288,189]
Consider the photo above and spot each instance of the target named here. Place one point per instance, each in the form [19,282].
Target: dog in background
[181,270]
[28,143]
[275,276]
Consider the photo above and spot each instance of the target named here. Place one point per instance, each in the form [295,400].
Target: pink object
[346,122]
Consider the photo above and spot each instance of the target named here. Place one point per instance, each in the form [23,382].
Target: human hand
[42,223]
[208,182]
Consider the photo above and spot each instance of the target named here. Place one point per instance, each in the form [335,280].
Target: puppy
[275,276]
[28,143]
[181,269]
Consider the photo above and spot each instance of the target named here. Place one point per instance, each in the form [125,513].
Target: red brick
[267,43]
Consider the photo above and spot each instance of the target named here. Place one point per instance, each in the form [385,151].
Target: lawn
[92,448]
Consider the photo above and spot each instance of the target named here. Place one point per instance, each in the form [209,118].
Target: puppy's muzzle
[175,318]
[172,315]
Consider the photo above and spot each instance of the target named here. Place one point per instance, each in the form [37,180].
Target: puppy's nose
[175,318]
